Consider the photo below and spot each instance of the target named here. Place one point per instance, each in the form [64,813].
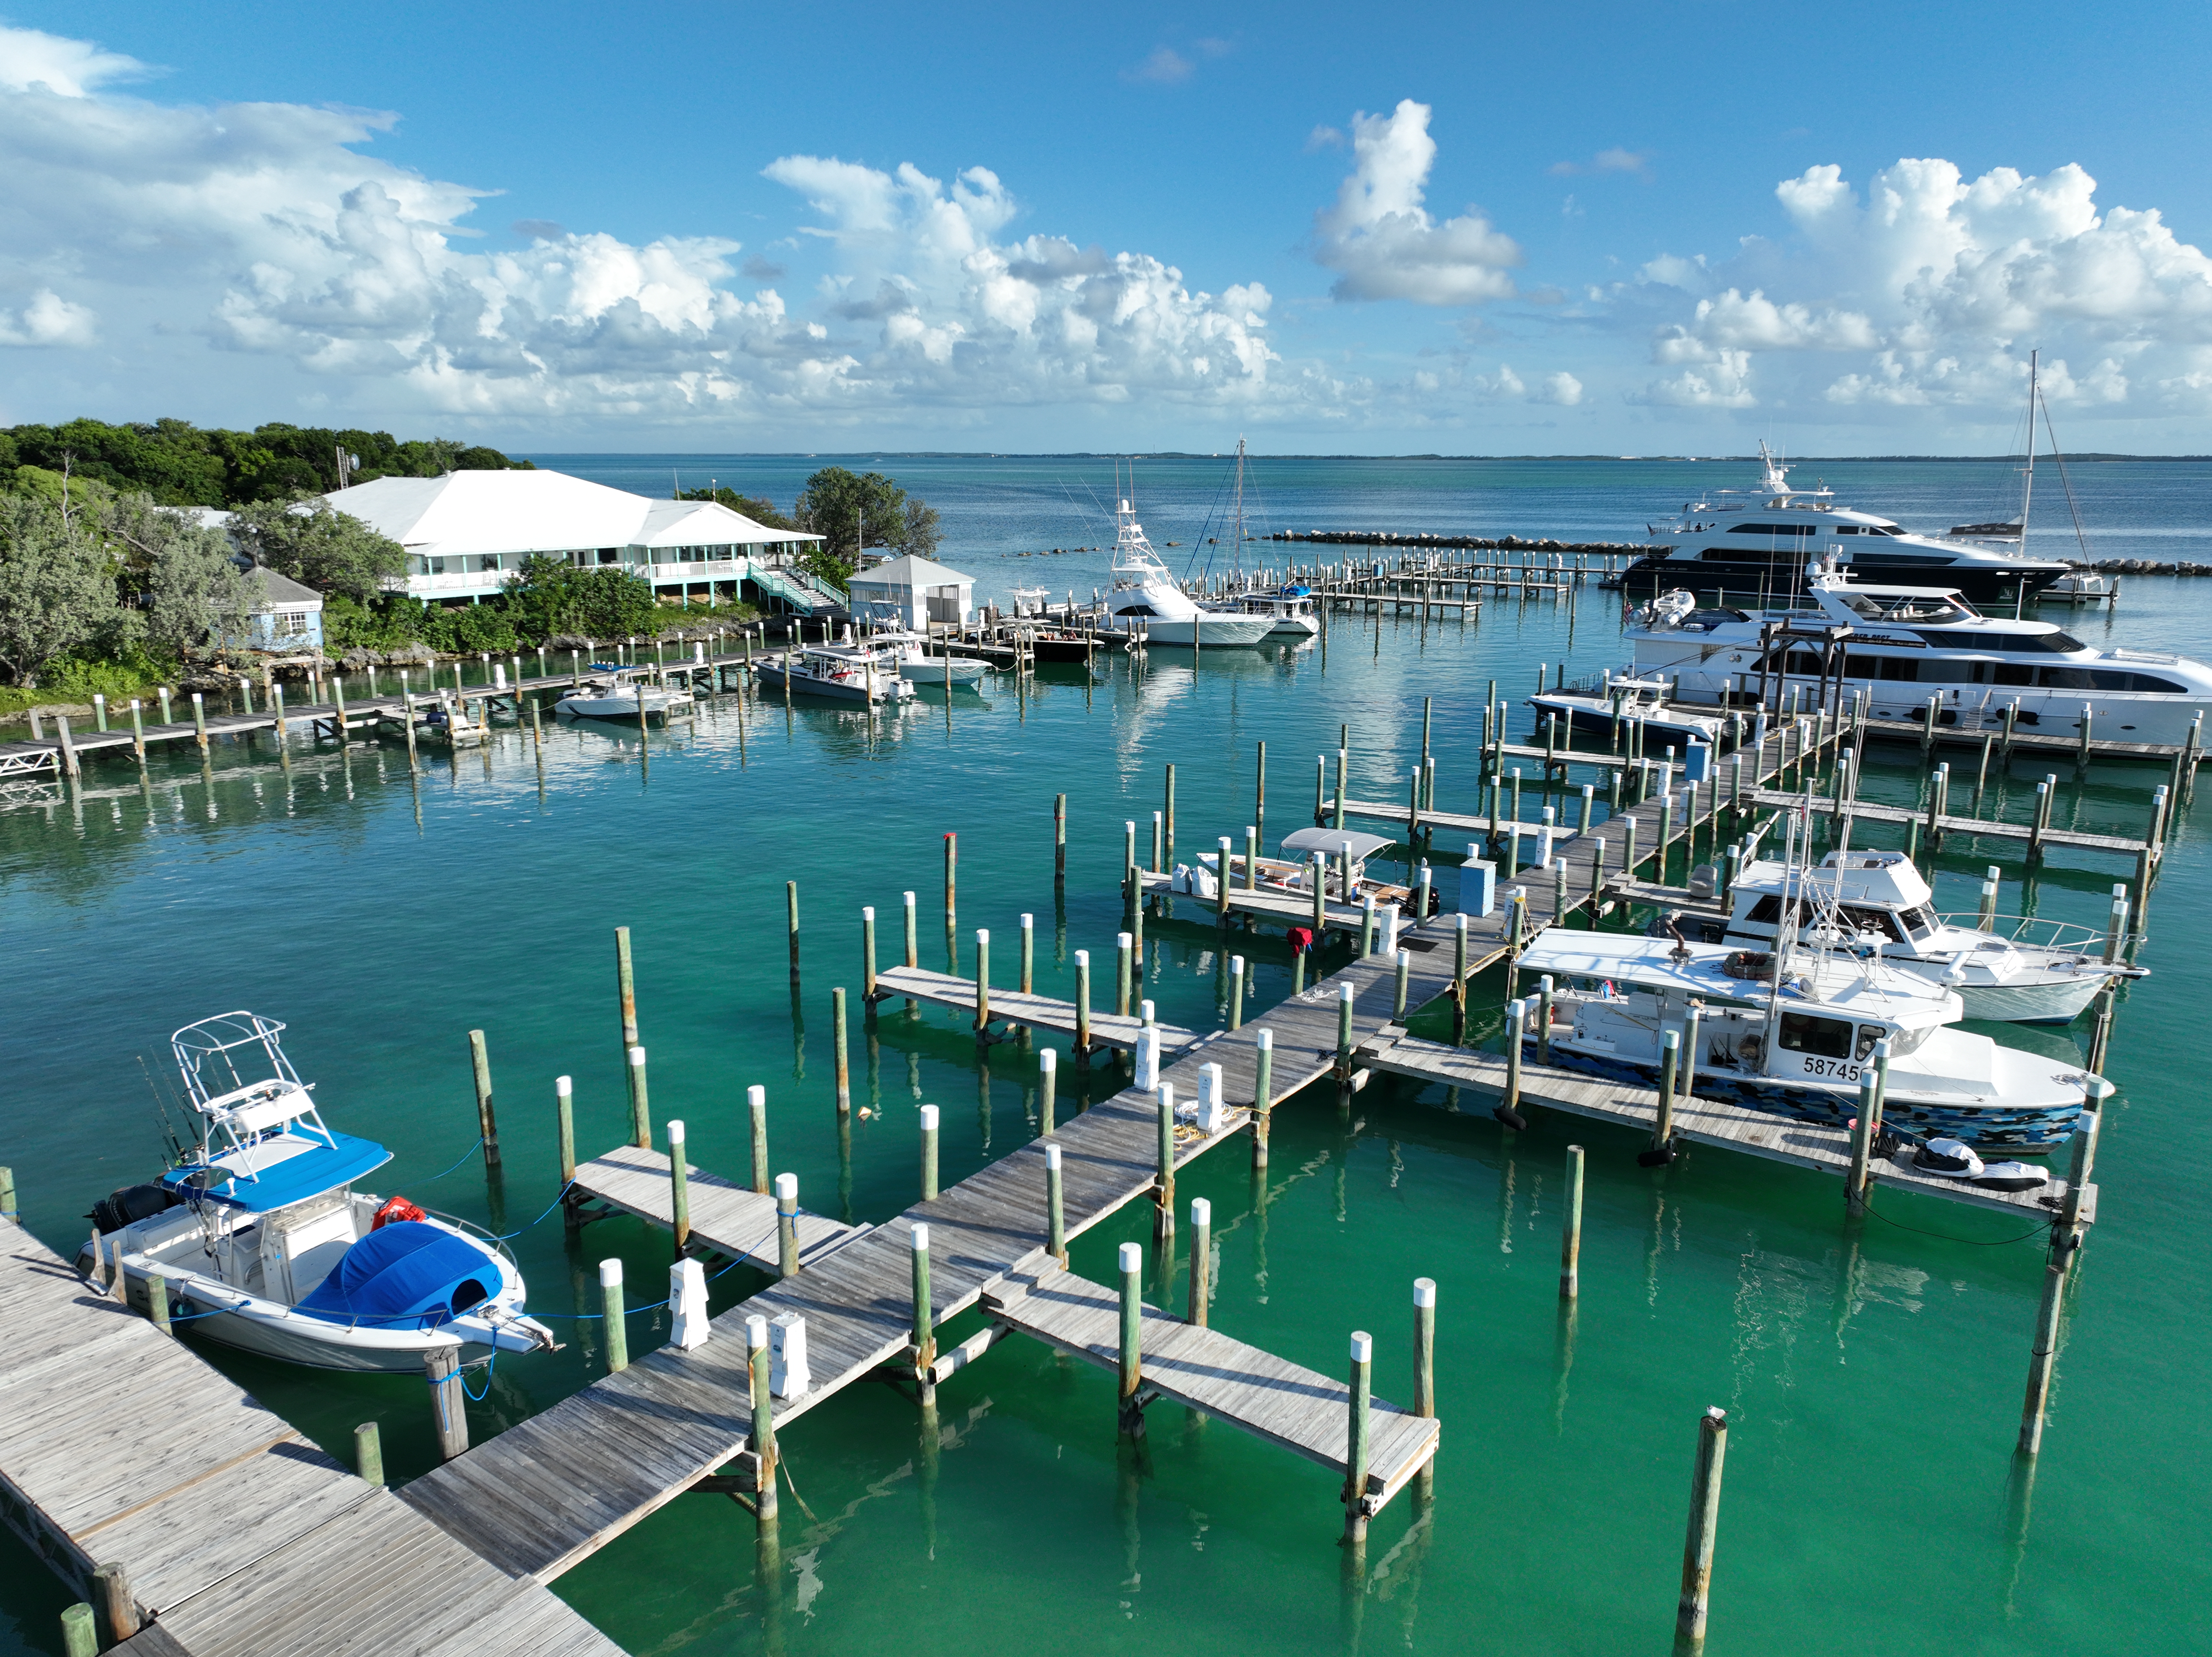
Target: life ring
[395,1209]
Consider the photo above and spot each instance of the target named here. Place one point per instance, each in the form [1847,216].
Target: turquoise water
[1873,1375]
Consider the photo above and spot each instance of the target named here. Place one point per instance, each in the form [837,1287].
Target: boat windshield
[1931,606]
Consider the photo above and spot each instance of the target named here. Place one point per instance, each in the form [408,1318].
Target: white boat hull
[888,687]
[2048,1001]
[923,672]
[1207,632]
[623,707]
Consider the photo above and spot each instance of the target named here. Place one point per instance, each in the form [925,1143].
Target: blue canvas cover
[405,1273]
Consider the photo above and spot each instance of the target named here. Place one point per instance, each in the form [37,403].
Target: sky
[1469,229]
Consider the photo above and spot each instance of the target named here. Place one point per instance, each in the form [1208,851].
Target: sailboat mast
[1238,509]
[2027,489]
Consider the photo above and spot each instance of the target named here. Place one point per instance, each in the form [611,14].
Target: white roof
[1305,842]
[469,512]
[1658,964]
[909,571]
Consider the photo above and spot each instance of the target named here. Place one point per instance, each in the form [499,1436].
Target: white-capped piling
[925,1321]
[1571,1228]
[929,1153]
[1360,1404]
[1047,1079]
[1131,1259]
[679,1186]
[442,1364]
[612,1313]
[1201,1259]
[1055,1216]
[786,1225]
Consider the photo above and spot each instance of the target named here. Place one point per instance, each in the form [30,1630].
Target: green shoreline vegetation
[110,584]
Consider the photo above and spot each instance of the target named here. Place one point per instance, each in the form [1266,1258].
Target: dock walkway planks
[120,1445]
[1699,1120]
[725,1217]
[1037,1012]
[1298,1409]
[1956,825]
[553,1490]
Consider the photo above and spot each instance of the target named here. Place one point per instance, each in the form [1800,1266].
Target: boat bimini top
[1658,965]
[265,1146]
[1360,845]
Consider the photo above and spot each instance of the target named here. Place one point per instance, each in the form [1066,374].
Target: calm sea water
[1873,1374]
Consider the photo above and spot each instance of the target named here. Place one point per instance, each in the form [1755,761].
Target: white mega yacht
[1754,548]
[1146,601]
[1898,647]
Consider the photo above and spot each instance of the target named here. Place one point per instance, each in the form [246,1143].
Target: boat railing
[2031,930]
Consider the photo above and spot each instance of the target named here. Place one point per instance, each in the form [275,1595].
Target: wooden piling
[487,1119]
[1132,1261]
[79,1631]
[1571,1228]
[1343,764]
[1059,839]
[138,732]
[982,983]
[369,1453]
[867,957]
[929,1118]
[641,1103]
[1508,1108]
[1236,992]
[1459,979]
[157,1302]
[1358,1426]
[679,1188]
[1055,1218]
[2065,1241]
[951,879]
[1425,1347]
[1201,1259]
[626,994]
[1083,1006]
[199,720]
[1260,788]
[1164,1174]
[1263,1094]
[786,1225]
[1321,788]
[1855,1182]
[111,1597]
[612,1315]
[443,1363]
[1251,857]
[1028,953]
[1705,1523]
[763,1401]
[925,1320]
[791,918]
[1343,994]
[1662,1125]
[1168,817]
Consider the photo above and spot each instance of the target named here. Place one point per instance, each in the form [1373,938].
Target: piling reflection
[1562,1361]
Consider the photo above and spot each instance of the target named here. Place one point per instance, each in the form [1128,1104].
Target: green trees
[548,596]
[312,541]
[180,464]
[57,587]
[843,505]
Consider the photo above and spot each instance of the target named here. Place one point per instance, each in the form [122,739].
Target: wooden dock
[238,1536]
[1948,823]
[725,1216]
[551,1491]
[1036,1012]
[1289,908]
[1697,1120]
[1289,1406]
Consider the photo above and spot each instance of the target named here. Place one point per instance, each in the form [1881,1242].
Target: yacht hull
[2020,1130]
[1210,632]
[1759,581]
[931,670]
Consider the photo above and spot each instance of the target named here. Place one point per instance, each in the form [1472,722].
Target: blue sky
[1605,228]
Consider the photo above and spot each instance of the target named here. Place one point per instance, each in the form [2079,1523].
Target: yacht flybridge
[1898,647]
[1145,600]
[1753,547]
[262,1242]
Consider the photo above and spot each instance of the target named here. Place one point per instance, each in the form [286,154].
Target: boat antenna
[2066,481]
[2027,486]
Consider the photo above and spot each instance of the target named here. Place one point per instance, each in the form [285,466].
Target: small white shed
[913,592]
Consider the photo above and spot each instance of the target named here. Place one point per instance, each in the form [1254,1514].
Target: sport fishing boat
[1789,1031]
[1899,646]
[1751,548]
[1289,607]
[614,691]
[1146,602]
[264,1244]
[2045,973]
[844,673]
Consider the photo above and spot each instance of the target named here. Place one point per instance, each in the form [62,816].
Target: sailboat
[2080,584]
[1289,607]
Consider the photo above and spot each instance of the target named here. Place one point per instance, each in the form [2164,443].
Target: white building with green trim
[467,532]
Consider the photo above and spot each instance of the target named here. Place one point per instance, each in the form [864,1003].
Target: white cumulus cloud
[48,319]
[1933,288]
[1380,236]
[65,68]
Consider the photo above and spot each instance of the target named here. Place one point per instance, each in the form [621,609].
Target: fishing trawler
[262,1242]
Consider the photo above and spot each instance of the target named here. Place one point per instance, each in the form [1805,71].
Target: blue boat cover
[406,1272]
[313,1169]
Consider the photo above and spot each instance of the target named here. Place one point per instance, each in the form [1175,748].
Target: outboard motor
[128,1204]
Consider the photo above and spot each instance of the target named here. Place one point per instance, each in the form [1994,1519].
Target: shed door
[944,604]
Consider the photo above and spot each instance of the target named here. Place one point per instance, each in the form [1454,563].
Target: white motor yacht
[1146,602]
[2043,973]
[1289,608]
[916,660]
[1791,1034]
[262,1242]
[1751,548]
[1899,646]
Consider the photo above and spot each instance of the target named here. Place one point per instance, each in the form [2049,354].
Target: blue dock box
[1698,766]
